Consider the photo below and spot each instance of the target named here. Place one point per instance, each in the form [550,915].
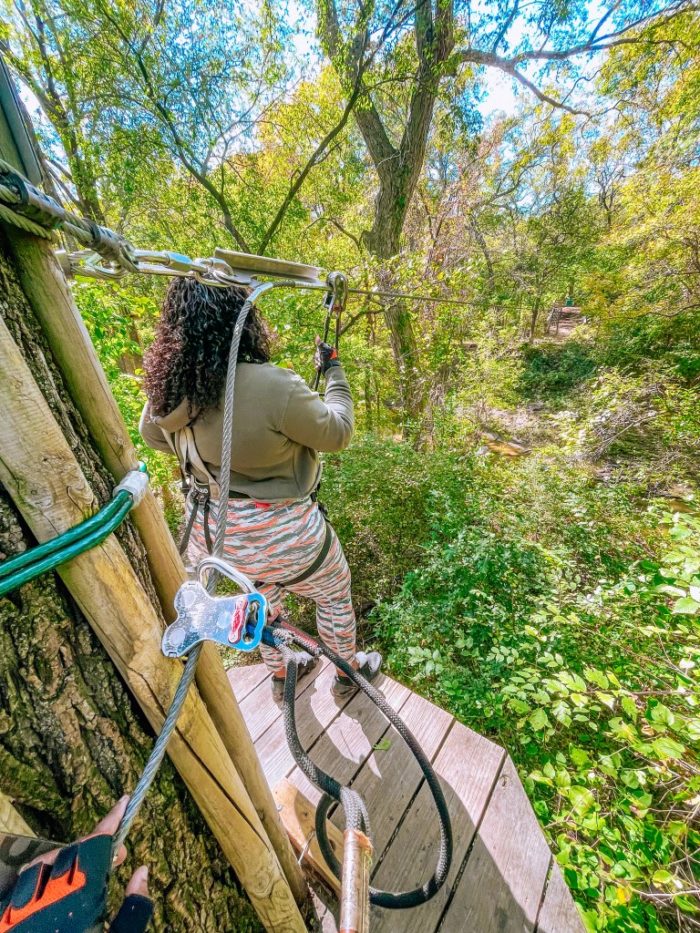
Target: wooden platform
[503,877]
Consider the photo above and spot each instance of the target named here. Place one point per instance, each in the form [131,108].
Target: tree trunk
[72,739]
[534,316]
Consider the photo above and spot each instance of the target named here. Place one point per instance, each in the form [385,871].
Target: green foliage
[536,621]
[553,370]
[540,600]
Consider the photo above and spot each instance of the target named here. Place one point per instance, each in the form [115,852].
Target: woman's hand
[326,356]
[64,891]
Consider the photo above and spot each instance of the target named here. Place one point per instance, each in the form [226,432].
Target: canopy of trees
[368,137]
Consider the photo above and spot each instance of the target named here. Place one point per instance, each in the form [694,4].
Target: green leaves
[666,747]
[686,606]
[538,719]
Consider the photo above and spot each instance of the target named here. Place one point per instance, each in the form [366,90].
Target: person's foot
[306,663]
[368,664]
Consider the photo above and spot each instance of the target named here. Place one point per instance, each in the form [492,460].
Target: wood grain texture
[38,468]
[260,711]
[396,768]
[497,878]
[347,742]
[467,766]
[245,678]
[298,818]
[316,709]
[558,913]
[503,882]
[11,821]
[52,302]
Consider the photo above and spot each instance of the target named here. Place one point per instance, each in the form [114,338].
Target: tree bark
[399,166]
[71,736]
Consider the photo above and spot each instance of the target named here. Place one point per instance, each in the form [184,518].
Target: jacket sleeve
[322,425]
[151,433]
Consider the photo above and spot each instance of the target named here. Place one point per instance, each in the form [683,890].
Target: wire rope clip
[232,621]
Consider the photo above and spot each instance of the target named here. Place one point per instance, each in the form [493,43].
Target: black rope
[356,816]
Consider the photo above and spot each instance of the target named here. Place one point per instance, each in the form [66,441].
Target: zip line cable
[109,256]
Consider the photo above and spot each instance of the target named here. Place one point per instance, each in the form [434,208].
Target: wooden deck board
[347,742]
[259,708]
[498,882]
[245,678]
[468,766]
[396,768]
[504,878]
[316,709]
[558,913]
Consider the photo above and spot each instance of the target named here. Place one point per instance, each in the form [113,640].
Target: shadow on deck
[503,877]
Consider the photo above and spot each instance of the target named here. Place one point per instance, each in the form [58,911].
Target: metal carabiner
[335,301]
[226,570]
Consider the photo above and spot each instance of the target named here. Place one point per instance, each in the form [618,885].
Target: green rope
[93,531]
[15,564]
[64,554]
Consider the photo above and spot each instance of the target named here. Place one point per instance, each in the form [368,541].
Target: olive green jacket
[279,425]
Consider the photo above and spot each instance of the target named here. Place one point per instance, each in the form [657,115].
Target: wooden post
[47,485]
[46,289]
[11,821]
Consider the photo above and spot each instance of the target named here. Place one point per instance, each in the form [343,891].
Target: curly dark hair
[189,356]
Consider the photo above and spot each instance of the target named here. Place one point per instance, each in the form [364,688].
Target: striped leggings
[274,542]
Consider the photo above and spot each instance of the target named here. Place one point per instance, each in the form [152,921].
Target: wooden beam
[43,477]
[46,289]
[11,821]
[298,816]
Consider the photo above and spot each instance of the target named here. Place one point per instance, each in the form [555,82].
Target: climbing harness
[239,622]
[200,486]
[30,564]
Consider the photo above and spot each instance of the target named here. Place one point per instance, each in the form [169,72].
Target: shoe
[369,666]
[306,664]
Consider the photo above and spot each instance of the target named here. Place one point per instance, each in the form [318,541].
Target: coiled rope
[356,816]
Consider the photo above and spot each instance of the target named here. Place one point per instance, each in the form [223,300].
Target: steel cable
[170,722]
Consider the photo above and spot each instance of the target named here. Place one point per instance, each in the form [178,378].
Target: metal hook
[227,570]
[335,301]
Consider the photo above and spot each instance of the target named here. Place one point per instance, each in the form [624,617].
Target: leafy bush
[542,624]
[555,369]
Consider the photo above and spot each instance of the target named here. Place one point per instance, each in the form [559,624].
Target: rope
[33,211]
[355,810]
[22,568]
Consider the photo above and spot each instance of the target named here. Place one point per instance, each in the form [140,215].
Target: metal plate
[232,621]
[264,265]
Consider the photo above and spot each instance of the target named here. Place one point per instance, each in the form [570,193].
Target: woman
[275,531]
